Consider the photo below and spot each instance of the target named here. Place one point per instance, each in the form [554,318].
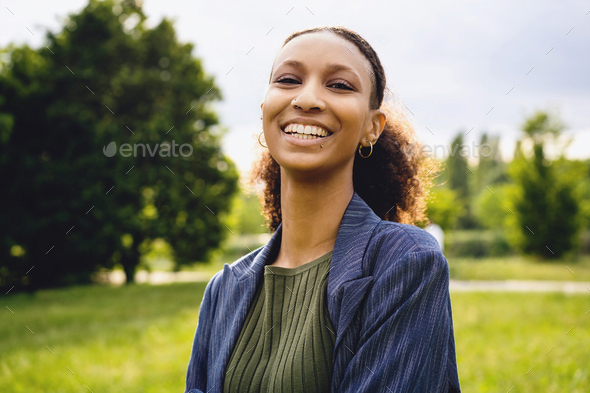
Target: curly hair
[395,181]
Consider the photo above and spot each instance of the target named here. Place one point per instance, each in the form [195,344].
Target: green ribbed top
[287,339]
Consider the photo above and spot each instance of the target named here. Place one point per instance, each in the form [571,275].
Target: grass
[114,339]
[499,268]
[502,340]
[461,268]
[138,338]
[519,268]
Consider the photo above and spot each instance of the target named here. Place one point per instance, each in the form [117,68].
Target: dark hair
[394,181]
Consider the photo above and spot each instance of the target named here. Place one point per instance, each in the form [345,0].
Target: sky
[458,66]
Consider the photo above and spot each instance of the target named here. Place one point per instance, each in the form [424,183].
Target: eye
[284,80]
[344,85]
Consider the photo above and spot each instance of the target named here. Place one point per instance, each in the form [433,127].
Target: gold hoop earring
[361,146]
[261,142]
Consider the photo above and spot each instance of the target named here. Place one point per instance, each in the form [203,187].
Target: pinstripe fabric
[388,298]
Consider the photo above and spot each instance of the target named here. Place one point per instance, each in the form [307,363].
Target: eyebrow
[333,67]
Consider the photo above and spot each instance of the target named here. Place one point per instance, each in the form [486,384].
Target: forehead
[323,48]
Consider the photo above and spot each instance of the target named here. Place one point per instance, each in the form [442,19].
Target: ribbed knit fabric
[287,339]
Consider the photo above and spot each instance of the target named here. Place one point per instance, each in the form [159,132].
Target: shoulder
[403,238]
[228,275]
[394,244]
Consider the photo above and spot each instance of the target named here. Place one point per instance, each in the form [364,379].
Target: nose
[309,97]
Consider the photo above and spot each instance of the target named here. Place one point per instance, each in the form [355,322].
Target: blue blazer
[388,299]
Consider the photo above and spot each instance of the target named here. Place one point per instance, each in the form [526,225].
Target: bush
[585,243]
[477,244]
[547,216]
[443,207]
[490,209]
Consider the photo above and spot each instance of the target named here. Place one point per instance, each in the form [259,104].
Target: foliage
[457,165]
[461,180]
[577,172]
[489,206]
[245,216]
[443,208]
[103,81]
[490,168]
[476,244]
[546,220]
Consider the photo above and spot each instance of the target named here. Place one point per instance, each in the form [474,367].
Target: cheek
[275,101]
[351,118]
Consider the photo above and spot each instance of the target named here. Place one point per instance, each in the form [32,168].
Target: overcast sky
[449,62]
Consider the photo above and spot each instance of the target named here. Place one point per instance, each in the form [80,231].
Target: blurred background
[127,128]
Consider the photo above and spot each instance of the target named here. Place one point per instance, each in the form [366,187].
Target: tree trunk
[130,260]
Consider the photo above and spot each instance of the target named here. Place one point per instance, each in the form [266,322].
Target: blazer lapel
[239,293]
[346,283]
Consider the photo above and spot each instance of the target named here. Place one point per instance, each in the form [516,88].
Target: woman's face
[319,79]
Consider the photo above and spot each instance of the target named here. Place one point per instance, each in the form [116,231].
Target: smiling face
[323,81]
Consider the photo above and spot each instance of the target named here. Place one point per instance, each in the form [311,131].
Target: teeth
[310,132]
[305,136]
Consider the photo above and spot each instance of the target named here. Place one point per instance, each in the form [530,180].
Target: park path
[155,278]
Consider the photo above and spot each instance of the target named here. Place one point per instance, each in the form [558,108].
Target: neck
[311,211]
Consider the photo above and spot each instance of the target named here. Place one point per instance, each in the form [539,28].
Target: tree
[108,141]
[245,217]
[490,207]
[460,178]
[458,169]
[490,168]
[443,208]
[545,220]
[489,200]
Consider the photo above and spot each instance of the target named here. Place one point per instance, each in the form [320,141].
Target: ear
[375,128]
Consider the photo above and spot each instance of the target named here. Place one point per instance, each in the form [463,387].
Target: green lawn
[519,268]
[114,339]
[500,268]
[461,268]
[501,336]
[138,339]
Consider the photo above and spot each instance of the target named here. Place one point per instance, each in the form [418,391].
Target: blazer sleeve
[196,376]
[406,341]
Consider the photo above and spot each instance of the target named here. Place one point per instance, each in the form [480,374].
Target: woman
[347,296]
